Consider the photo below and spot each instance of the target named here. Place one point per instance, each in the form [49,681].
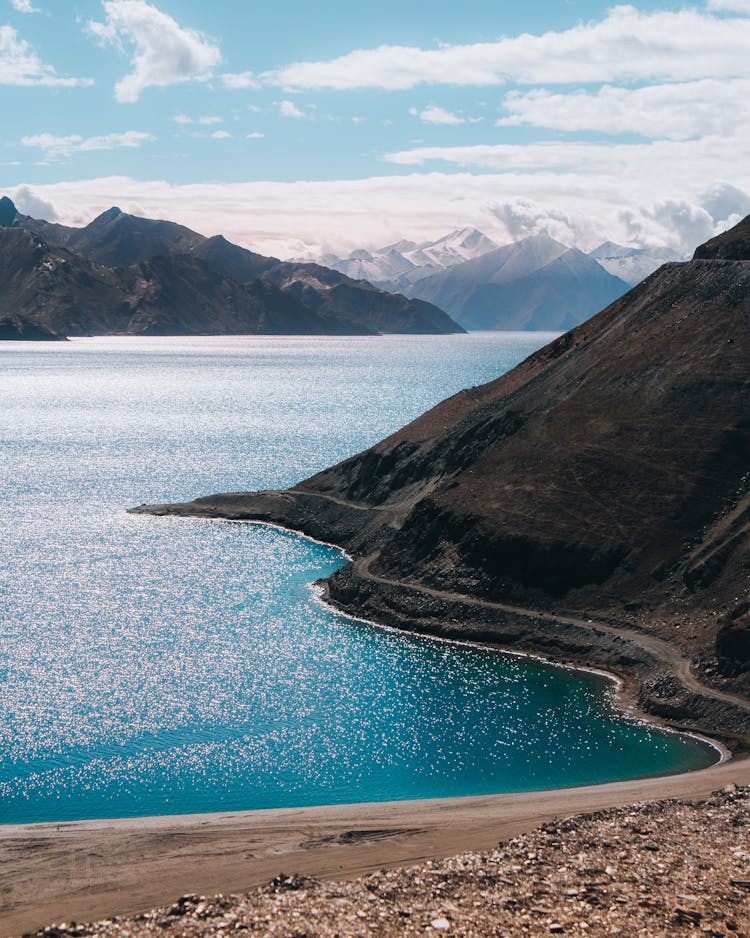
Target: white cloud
[164,53]
[290,219]
[689,224]
[731,6]
[56,145]
[436,115]
[24,6]
[255,136]
[672,112]
[598,160]
[723,201]
[28,204]
[204,121]
[290,109]
[239,81]
[626,45]
[20,64]
[522,218]
[221,135]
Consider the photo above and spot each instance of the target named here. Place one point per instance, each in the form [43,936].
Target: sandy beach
[87,870]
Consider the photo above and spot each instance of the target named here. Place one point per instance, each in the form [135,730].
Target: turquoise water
[154,666]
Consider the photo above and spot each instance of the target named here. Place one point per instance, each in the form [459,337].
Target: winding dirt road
[660,648]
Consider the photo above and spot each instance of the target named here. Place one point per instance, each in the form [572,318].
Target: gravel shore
[661,868]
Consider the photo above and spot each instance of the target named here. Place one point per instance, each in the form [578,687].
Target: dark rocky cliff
[607,475]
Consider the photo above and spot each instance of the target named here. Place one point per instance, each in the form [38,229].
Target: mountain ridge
[536,283]
[126,274]
[460,272]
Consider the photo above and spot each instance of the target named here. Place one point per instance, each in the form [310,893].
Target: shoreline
[88,870]
[626,696]
[659,682]
[623,698]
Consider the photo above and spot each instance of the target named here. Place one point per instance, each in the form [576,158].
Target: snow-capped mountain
[536,283]
[456,247]
[396,266]
[379,267]
[632,264]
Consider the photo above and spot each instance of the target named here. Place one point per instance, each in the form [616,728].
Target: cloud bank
[672,112]
[309,218]
[56,145]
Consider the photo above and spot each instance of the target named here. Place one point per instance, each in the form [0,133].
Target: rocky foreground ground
[663,868]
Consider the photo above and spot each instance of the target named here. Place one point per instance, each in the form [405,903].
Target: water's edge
[625,697]
[705,715]
[621,694]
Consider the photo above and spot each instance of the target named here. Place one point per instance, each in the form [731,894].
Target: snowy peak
[524,257]
[536,283]
[632,264]
[462,245]
[609,249]
[398,265]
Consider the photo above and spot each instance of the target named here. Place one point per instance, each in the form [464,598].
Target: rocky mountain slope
[606,477]
[21,328]
[730,245]
[123,274]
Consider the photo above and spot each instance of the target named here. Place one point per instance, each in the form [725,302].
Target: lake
[156,665]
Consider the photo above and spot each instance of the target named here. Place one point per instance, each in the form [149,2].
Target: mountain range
[397,266]
[605,478]
[534,283]
[138,276]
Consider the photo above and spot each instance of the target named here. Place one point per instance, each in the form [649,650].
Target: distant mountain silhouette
[125,274]
[536,283]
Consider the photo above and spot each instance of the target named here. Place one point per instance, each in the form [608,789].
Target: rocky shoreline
[658,677]
[651,683]
[654,869]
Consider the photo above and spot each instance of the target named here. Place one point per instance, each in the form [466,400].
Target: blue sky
[297,128]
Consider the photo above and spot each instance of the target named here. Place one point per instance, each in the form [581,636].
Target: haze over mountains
[535,283]
[124,274]
[608,473]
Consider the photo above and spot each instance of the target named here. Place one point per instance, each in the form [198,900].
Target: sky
[297,128]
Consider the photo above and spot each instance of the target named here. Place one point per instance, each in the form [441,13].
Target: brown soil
[665,868]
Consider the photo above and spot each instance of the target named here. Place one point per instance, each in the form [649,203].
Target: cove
[161,666]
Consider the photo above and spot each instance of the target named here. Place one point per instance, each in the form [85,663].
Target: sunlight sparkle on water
[157,665]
